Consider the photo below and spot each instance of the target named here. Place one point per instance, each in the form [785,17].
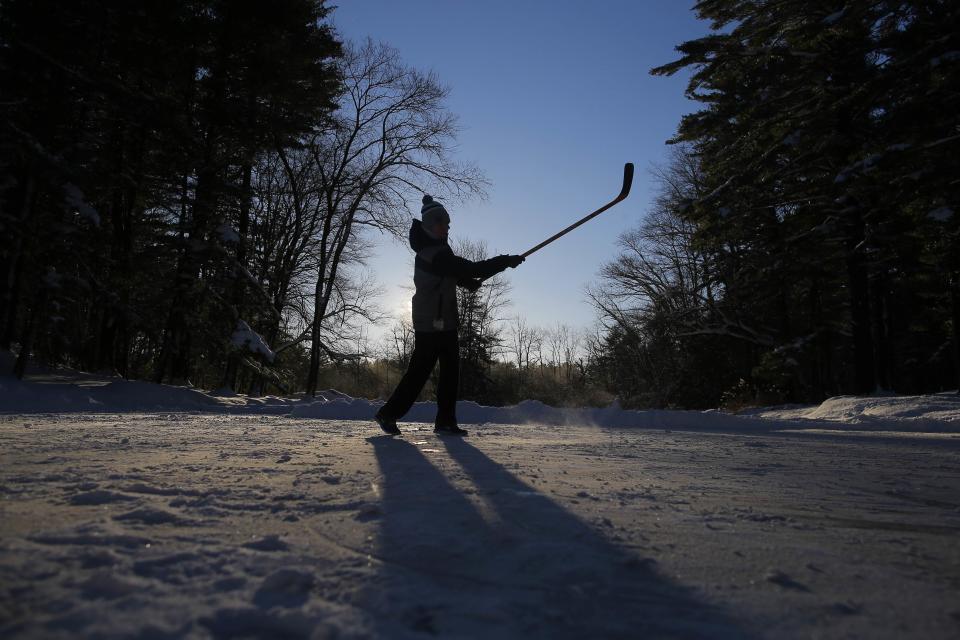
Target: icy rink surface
[198,525]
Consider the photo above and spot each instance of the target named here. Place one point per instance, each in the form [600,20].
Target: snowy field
[131,510]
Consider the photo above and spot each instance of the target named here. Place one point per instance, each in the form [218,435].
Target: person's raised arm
[449,264]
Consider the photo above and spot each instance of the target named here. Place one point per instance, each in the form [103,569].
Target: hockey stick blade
[624,192]
[627,181]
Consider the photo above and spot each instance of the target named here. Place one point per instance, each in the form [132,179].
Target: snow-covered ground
[131,510]
[68,391]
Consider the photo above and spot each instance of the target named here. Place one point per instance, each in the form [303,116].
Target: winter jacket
[436,274]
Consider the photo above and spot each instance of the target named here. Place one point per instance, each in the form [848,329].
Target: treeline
[186,188]
[502,360]
[805,242]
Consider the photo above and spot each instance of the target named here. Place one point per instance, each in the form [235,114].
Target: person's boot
[449,429]
[389,425]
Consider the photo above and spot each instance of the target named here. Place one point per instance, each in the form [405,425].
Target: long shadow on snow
[508,562]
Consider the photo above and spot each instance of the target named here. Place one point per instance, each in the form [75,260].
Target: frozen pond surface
[193,525]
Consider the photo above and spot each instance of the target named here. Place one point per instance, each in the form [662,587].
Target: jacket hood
[419,240]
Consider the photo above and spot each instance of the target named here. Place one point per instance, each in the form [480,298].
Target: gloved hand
[514,261]
[503,261]
[470,284]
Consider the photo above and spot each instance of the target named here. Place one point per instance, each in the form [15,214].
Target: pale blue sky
[552,98]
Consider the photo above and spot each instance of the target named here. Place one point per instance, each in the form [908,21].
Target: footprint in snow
[99,497]
[231,583]
[782,579]
[168,567]
[105,586]
[149,515]
[848,608]
[285,587]
[97,558]
[268,543]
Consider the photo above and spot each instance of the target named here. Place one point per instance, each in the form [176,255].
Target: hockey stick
[624,192]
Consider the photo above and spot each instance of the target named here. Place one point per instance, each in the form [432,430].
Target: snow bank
[936,412]
[69,391]
[121,395]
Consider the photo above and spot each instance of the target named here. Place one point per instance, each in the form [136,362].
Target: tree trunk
[172,328]
[187,301]
[816,325]
[29,333]
[324,288]
[859,286]
[314,372]
[123,240]
[13,262]
[955,300]
[11,300]
[880,332]
[107,333]
[239,285]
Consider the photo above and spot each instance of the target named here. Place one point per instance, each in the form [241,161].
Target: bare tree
[661,290]
[287,217]
[572,344]
[557,338]
[399,344]
[389,142]
[564,344]
[525,341]
[658,265]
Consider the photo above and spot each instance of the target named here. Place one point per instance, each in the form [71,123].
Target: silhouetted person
[436,275]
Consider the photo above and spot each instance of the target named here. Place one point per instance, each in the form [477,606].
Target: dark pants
[428,347]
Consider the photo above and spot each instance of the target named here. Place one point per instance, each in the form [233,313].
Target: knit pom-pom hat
[432,212]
